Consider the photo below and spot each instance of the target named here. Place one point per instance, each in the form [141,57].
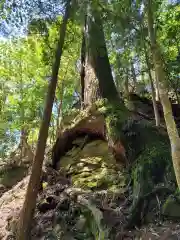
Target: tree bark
[89,83]
[24,146]
[129,104]
[155,107]
[83,59]
[157,89]
[91,86]
[24,227]
[133,76]
[99,57]
[60,110]
[163,91]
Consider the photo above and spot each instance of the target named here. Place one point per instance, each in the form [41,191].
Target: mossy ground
[95,199]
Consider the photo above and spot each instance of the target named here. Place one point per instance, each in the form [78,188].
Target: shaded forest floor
[92,194]
[64,211]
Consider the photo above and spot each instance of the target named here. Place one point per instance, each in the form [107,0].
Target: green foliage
[94,228]
[169,35]
[22,86]
[25,66]
[26,62]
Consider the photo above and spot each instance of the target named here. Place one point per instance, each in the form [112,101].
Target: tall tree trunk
[128,103]
[59,110]
[90,89]
[21,87]
[91,86]
[27,212]
[83,59]
[99,57]
[156,88]
[133,76]
[155,107]
[89,82]
[163,91]
[26,150]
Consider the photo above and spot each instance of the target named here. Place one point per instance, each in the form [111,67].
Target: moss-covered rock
[135,142]
[150,167]
[150,150]
[93,167]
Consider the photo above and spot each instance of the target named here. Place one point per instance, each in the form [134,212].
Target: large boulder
[93,167]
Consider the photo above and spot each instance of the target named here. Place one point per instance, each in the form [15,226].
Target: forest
[89,119]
